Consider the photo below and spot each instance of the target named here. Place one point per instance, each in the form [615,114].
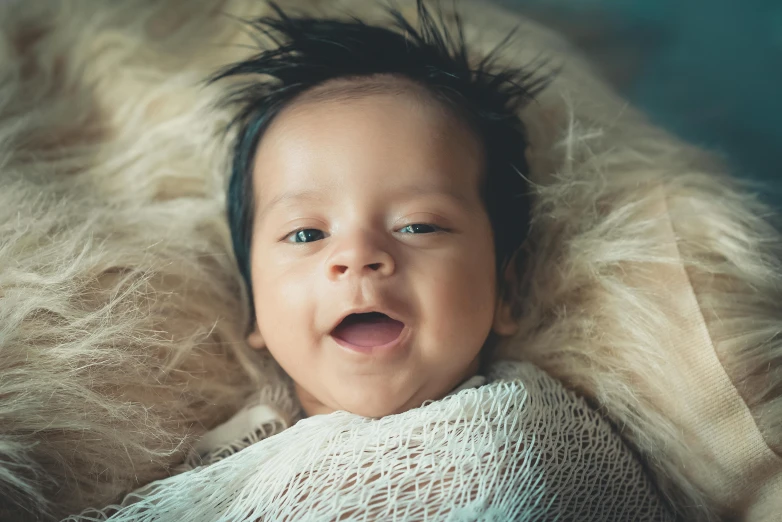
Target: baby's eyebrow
[423,191]
[313,196]
[290,197]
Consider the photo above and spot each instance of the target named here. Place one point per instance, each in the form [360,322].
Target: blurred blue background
[709,71]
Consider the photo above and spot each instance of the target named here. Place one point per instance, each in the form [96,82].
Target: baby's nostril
[375,266]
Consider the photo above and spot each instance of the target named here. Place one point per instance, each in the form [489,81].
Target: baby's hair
[310,51]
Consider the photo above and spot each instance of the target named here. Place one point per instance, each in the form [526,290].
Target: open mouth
[368,330]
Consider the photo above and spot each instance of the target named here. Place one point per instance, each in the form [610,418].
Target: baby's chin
[370,404]
[364,406]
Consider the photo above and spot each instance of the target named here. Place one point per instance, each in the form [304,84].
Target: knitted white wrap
[519,448]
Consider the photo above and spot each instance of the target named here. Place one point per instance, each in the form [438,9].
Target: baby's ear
[506,321]
[255,340]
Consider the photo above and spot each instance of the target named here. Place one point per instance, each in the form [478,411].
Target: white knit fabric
[519,448]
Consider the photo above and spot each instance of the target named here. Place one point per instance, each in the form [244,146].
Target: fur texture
[122,315]
[120,336]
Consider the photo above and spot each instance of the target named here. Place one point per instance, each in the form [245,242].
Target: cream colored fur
[122,316]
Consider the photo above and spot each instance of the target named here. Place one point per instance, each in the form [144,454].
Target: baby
[378,207]
[377,204]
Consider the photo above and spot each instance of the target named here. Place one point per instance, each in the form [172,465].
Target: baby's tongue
[368,330]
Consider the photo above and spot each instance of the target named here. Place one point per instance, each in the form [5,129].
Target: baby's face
[372,257]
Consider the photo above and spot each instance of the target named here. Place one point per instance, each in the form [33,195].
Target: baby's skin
[372,257]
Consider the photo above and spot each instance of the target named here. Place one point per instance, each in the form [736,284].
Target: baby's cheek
[464,305]
[279,301]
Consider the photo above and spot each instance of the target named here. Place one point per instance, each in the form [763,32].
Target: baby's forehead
[348,89]
[342,92]
[315,108]
[355,134]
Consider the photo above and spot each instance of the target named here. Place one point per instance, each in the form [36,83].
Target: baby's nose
[360,257]
[371,267]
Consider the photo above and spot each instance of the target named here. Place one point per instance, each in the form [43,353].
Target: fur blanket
[654,287]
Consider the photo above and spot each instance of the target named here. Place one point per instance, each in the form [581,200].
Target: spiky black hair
[310,51]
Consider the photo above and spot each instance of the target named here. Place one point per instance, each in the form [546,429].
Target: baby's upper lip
[365,310]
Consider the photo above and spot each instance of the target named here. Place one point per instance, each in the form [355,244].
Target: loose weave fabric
[519,448]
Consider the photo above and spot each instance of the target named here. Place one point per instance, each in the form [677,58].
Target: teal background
[709,71]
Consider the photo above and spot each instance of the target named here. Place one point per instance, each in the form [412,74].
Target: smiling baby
[377,203]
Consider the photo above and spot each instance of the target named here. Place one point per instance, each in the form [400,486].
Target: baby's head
[376,203]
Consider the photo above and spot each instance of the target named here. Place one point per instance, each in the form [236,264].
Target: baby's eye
[305,235]
[419,228]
